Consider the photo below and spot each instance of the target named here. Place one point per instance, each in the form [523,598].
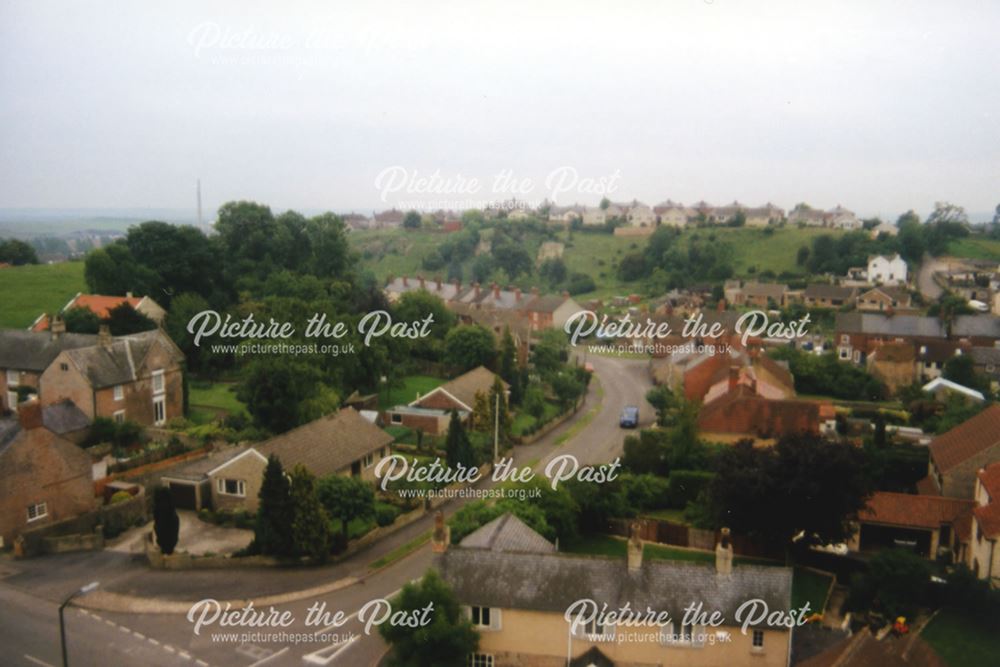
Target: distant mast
[199,202]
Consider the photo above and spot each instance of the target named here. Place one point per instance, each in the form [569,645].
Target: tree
[346,498]
[275,390]
[275,513]
[662,400]
[81,320]
[445,641]
[553,271]
[123,320]
[962,369]
[180,258]
[166,523]
[567,387]
[417,305]
[458,449]
[113,270]
[895,584]
[534,401]
[549,353]
[16,252]
[411,220]
[469,346]
[329,251]
[182,308]
[310,523]
[802,256]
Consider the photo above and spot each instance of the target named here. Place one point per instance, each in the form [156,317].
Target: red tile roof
[967,439]
[911,511]
[99,304]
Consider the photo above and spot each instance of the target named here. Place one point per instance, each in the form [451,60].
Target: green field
[211,400]
[963,640]
[975,247]
[407,390]
[28,291]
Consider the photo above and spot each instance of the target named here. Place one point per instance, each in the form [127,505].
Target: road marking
[168,648]
[123,628]
[184,654]
[152,641]
[138,635]
[31,658]
[201,663]
[316,658]
[269,658]
[110,622]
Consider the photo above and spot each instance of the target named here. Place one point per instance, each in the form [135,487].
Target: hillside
[33,289]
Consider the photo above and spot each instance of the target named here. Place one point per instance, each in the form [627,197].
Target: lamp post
[62,624]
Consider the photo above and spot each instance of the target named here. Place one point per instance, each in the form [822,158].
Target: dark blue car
[630,417]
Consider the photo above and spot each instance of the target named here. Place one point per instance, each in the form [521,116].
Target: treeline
[17,253]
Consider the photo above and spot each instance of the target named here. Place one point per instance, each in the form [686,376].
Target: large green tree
[468,346]
[346,498]
[16,252]
[166,523]
[458,449]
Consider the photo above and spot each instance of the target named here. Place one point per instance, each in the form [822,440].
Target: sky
[878,106]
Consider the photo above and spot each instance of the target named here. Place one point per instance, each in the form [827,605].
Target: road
[925,277]
[30,592]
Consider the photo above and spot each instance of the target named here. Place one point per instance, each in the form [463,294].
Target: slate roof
[886,325]
[912,511]
[825,291]
[980,326]
[117,363]
[544,304]
[967,439]
[466,386]
[552,582]
[35,350]
[64,417]
[507,533]
[768,290]
[328,444]
[985,356]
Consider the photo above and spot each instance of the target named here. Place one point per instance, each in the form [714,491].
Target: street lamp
[62,625]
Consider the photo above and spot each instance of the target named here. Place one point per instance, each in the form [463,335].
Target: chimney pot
[104,336]
[724,554]
[441,537]
[29,414]
[634,548]
[57,326]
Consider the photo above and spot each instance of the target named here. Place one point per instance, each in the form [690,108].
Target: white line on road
[31,658]
[316,657]
[201,663]
[152,641]
[168,648]
[138,635]
[263,661]
[184,654]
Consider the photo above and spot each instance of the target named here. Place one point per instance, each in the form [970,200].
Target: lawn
[406,391]
[28,291]
[811,587]
[975,247]
[211,400]
[963,640]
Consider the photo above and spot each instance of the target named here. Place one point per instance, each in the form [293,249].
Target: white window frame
[161,401]
[241,487]
[480,660]
[119,392]
[757,646]
[158,380]
[119,416]
[13,377]
[39,510]
[595,633]
[369,460]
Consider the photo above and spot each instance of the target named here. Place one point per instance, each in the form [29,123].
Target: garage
[184,494]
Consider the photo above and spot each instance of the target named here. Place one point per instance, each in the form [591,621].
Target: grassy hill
[27,291]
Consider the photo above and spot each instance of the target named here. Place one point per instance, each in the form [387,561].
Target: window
[758,640]
[480,660]
[13,378]
[159,410]
[64,366]
[396,418]
[231,487]
[12,400]
[157,382]
[37,511]
[481,616]
[119,416]
[369,460]
[381,453]
[119,392]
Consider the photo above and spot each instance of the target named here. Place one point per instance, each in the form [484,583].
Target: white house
[594,215]
[640,215]
[884,270]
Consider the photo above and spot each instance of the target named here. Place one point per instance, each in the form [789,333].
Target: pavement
[142,612]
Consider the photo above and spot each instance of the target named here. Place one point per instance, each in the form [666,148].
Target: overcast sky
[879,106]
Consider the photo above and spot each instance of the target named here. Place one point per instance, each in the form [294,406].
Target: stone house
[24,355]
[526,624]
[895,364]
[102,305]
[43,477]
[341,443]
[983,555]
[959,454]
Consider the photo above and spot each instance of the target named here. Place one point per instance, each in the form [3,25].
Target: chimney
[458,287]
[517,294]
[29,414]
[721,306]
[57,326]
[104,336]
[496,291]
[634,548]
[734,377]
[128,295]
[565,294]
[475,287]
[724,554]
[442,534]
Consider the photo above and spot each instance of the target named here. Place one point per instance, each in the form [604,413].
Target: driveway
[196,537]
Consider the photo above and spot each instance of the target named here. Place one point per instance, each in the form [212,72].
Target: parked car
[630,417]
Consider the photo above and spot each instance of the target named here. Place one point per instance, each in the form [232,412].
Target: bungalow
[821,295]
[883,299]
[959,454]
[430,412]
[927,525]
[983,554]
[43,477]
[763,295]
[341,443]
[526,624]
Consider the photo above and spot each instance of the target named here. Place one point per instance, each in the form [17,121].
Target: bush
[120,497]
[385,514]
[646,492]
[685,485]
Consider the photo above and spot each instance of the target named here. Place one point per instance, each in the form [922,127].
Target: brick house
[958,455]
[431,412]
[43,477]
[742,411]
[895,364]
[883,299]
[859,334]
[341,443]
[926,525]
[136,377]
[983,555]
[820,295]
[762,295]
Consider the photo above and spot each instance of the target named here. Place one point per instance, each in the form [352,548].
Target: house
[357,221]
[927,525]
[894,364]
[548,311]
[567,214]
[886,270]
[102,306]
[959,454]
[840,218]
[886,228]
[761,295]
[882,299]
[986,361]
[594,216]
[44,477]
[858,334]
[983,554]
[822,295]
[765,215]
[341,443]
[672,214]
[430,413]
[517,589]
[932,355]
[136,377]
[641,215]
[806,215]
[391,219]
[189,485]
[742,411]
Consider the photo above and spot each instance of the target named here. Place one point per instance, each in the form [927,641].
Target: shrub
[685,485]
[120,497]
[385,514]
